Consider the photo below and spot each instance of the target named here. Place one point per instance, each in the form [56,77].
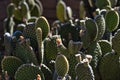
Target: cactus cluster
[86,48]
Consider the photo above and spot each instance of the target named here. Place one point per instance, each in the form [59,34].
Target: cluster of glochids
[86,48]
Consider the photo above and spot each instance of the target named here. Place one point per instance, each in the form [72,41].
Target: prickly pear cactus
[25,52]
[101,26]
[36,11]
[10,9]
[29,32]
[47,72]
[11,64]
[82,11]
[40,45]
[113,3]
[109,67]
[61,11]
[42,22]
[22,11]
[103,3]
[106,46]
[72,62]
[40,6]
[95,50]
[69,13]
[31,4]
[9,25]
[84,71]
[91,28]
[50,47]
[112,20]
[28,72]
[74,47]
[61,65]
[7,43]
[16,2]
[116,41]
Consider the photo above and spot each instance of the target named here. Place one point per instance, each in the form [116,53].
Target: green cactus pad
[40,45]
[28,72]
[92,29]
[7,43]
[61,11]
[101,26]
[112,20]
[36,11]
[82,11]
[11,64]
[50,47]
[16,2]
[9,25]
[84,71]
[40,6]
[32,19]
[106,46]
[113,2]
[47,72]
[74,47]
[17,14]
[25,52]
[22,12]
[29,32]
[20,27]
[61,65]
[116,41]
[72,62]
[95,51]
[42,22]
[85,38]
[10,9]
[103,3]
[109,67]
[69,13]
[31,4]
